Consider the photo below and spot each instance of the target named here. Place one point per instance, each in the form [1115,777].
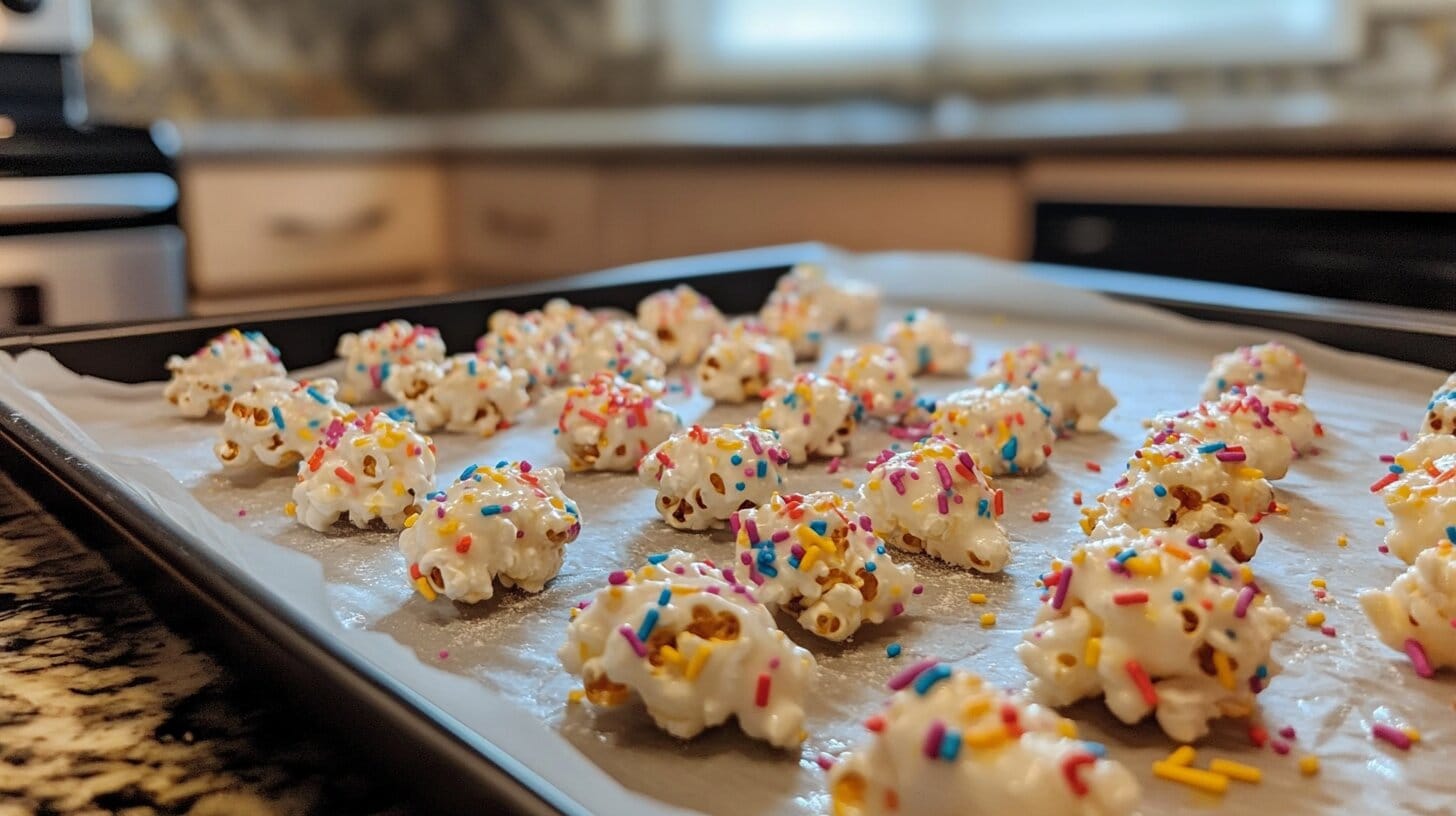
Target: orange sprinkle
[344,474]
[1041,515]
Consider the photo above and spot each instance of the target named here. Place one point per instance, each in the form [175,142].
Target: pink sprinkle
[444,653]
[833,465]
[1328,631]
[1287,732]
[525,466]
[824,761]
[1231,455]
[757,446]
[733,523]
[1418,659]
[1246,597]
[864,522]
[933,738]
[898,480]
[779,536]
[617,578]
[1392,735]
[1280,746]
[1383,549]
[752,529]
[1061,594]
[920,590]
[908,675]
[942,504]
[1387,458]
[897,609]
[637,646]
[242,512]
[944,473]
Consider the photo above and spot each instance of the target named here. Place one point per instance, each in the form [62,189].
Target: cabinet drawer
[274,225]
[509,220]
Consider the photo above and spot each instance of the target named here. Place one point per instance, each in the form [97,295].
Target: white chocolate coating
[1269,426]
[934,499]
[703,475]
[1155,628]
[610,424]
[1179,487]
[814,415]
[683,320]
[846,304]
[509,523]
[1422,506]
[277,422]
[740,363]
[1072,389]
[858,304]
[622,348]
[539,342]
[1271,365]
[372,470]
[964,748]
[812,556]
[798,319]
[926,340]
[371,355]
[695,647]
[1006,430]
[465,393]
[1441,411]
[878,377]
[206,381]
[1420,605]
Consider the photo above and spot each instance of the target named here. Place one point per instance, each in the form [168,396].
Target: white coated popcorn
[372,354]
[1417,614]
[374,470]
[619,347]
[817,559]
[878,377]
[1072,389]
[934,499]
[695,647]
[540,342]
[509,523]
[948,744]
[1188,490]
[740,363]
[1006,430]
[278,421]
[465,393]
[925,339]
[1441,411]
[846,304]
[703,475]
[1422,497]
[610,424]
[683,320]
[799,320]
[1154,628]
[1271,365]
[1270,427]
[205,381]
[814,415]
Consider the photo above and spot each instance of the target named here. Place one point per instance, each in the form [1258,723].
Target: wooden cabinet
[277,226]
[512,220]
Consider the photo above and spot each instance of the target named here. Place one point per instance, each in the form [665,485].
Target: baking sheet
[493,666]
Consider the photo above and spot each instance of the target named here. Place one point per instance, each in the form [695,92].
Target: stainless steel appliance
[88,213]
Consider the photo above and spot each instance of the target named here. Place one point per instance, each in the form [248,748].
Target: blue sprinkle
[657,559]
[893,650]
[361,367]
[1262,671]
[983,509]
[740,486]
[666,597]
[470,366]
[490,510]
[736,459]
[384,371]
[1451,533]
[278,417]
[762,468]
[1123,556]
[1212,447]
[819,527]
[400,414]
[766,555]
[1096,749]
[468,472]
[1397,469]
[1008,450]
[794,562]
[317,397]
[1219,569]
[950,745]
[930,677]
[1178,595]
[649,622]
[923,356]
[1160,491]
[227,386]
[869,566]
[770,571]
[502,463]
[880,550]
[1222,384]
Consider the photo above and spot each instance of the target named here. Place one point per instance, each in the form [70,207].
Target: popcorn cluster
[371,355]
[206,381]
[372,471]
[277,422]
[703,475]
[610,424]
[1072,389]
[465,393]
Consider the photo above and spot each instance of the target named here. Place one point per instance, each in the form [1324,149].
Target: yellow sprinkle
[1206,781]
[1315,618]
[807,562]
[1067,728]
[1184,756]
[448,527]
[671,655]
[977,598]
[409,521]
[873,484]
[1225,671]
[305,434]
[988,620]
[695,663]
[1318,583]
[575,696]
[847,482]
[1094,651]
[728,444]
[988,737]
[1309,765]
[1380,522]
[1236,770]
[1343,541]
[1145,566]
[423,587]
[977,706]
[290,509]
[1087,524]
[1415,736]
[398,488]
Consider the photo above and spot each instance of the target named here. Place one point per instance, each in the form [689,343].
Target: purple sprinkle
[1061,594]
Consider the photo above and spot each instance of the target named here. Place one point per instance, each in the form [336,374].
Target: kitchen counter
[949,128]
[103,709]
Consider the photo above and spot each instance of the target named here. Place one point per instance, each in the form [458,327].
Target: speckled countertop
[105,710]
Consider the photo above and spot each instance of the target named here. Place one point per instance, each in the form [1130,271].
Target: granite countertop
[951,127]
[105,710]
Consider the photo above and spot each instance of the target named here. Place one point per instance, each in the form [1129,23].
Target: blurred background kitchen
[265,154]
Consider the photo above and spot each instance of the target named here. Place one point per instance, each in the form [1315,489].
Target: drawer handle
[352,226]
[515,226]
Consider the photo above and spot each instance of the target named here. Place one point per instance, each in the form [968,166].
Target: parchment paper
[493,666]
